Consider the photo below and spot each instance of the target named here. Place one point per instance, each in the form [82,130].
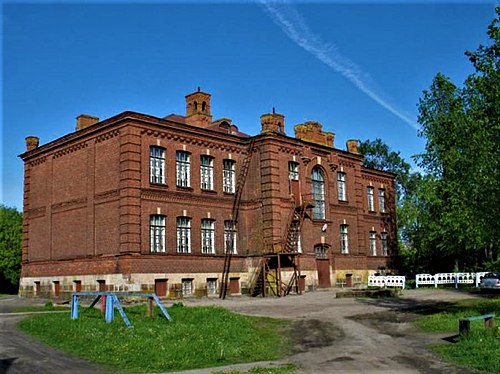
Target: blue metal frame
[113,302]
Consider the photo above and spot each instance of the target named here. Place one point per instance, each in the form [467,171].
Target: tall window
[207,236]
[228,176]
[229,237]
[371,205]
[385,246]
[156,165]
[341,186]
[318,189]
[373,243]
[344,239]
[183,166]
[293,170]
[381,200]
[157,233]
[183,235]
[207,173]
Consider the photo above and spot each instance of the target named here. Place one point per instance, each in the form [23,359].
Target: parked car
[490,281]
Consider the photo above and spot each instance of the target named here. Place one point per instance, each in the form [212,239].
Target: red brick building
[136,202]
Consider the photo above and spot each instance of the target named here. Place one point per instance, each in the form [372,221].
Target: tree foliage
[11,228]
[461,158]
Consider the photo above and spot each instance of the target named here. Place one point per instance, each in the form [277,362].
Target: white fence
[449,278]
[387,281]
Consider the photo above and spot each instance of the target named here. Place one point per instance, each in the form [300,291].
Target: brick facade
[89,198]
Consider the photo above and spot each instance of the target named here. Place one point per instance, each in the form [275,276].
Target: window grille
[293,170]
[344,239]
[228,176]
[373,243]
[385,245]
[371,205]
[157,233]
[183,235]
[207,173]
[318,186]
[157,165]
[229,237]
[207,236]
[183,166]
[381,200]
[341,186]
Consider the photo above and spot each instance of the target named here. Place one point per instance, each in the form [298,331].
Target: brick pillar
[130,190]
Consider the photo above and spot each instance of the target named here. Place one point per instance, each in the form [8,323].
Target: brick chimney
[198,109]
[85,120]
[272,122]
[352,146]
[32,142]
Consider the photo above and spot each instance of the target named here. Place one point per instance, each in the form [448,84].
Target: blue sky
[359,68]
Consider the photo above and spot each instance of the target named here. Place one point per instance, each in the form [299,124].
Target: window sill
[209,192]
[344,202]
[180,188]
[228,193]
[158,185]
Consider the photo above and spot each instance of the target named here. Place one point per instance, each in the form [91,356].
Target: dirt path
[354,335]
[330,335]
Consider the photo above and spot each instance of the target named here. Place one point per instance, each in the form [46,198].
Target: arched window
[318,190]
[203,106]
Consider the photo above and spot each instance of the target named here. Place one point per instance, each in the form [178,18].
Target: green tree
[11,228]
[461,158]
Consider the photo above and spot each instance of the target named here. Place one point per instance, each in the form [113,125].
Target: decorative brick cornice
[347,164]
[192,140]
[38,161]
[106,194]
[36,212]
[70,149]
[375,179]
[106,136]
[289,150]
[69,204]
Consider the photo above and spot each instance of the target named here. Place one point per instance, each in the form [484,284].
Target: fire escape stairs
[240,183]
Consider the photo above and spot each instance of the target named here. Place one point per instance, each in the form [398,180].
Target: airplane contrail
[294,26]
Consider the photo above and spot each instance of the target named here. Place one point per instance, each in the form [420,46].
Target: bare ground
[329,335]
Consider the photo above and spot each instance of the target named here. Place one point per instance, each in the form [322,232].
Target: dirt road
[355,335]
[330,335]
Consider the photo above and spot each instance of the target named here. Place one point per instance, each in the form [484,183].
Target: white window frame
[369,193]
[156,165]
[385,243]
[381,200]
[183,168]
[344,239]
[318,190]
[183,235]
[208,236]
[228,176]
[157,233]
[207,173]
[293,170]
[230,236]
[373,243]
[211,286]
[187,287]
[341,186]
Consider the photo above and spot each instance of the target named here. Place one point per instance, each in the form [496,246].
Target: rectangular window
[385,246]
[371,205]
[157,233]
[320,251]
[207,236]
[211,286]
[228,176]
[318,190]
[344,239]
[187,287]
[183,235]
[207,173]
[293,170]
[381,200]
[341,186]
[229,237]
[157,165]
[373,243]
[183,169]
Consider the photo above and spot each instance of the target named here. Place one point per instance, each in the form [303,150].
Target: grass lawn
[196,338]
[481,349]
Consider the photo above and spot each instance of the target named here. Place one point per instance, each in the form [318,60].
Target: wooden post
[464,327]
[150,307]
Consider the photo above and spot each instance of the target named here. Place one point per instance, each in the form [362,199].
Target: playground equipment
[111,302]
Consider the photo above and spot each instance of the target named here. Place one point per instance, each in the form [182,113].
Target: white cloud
[294,26]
